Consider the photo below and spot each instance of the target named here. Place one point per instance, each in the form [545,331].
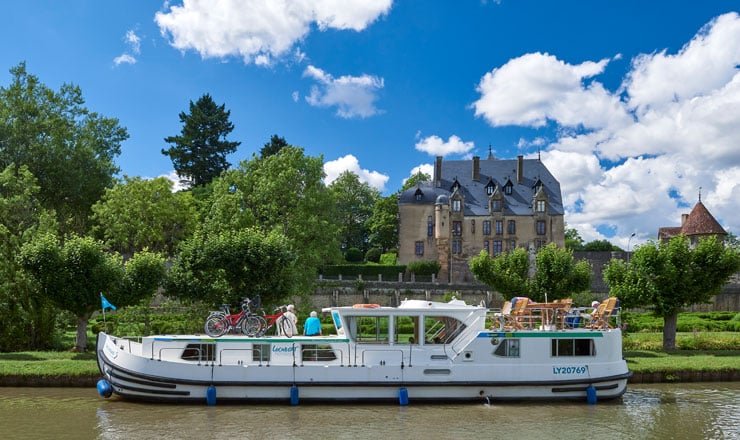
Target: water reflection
[686,411]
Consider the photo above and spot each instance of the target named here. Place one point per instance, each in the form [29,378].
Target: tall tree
[573,239]
[507,273]
[144,213]
[283,192]
[413,180]
[27,322]
[671,275]
[383,224]
[354,202]
[276,144]
[73,274]
[199,152]
[69,149]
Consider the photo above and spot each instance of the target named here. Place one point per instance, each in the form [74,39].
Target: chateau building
[473,205]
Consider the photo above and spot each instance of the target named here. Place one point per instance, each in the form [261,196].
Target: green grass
[646,361]
[48,363]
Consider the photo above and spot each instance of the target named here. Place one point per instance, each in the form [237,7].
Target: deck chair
[601,317]
[500,318]
[519,313]
[563,311]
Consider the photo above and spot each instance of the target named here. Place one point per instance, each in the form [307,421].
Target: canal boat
[418,351]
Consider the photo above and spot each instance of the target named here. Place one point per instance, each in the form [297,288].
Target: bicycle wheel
[251,325]
[216,326]
[285,327]
[262,326]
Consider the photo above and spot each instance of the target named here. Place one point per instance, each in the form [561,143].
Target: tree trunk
[81,341]
[669,332]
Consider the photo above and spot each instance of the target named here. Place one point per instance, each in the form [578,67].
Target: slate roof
[500,171]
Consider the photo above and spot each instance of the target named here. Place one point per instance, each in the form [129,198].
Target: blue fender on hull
[211,396]
[104,388]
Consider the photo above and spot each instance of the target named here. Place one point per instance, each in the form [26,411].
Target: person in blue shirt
[312,326]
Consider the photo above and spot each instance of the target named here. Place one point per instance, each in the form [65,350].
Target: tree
[599,246]
[556,275]
[573,240]
[227,266]
[353,202]
[74,273]
[199,152]
[139,213]
[276,144]
[383,224]
[506,273]
[69,149]
[283,192]
[26,321]
[670,275]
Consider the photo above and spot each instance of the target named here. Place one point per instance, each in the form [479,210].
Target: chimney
[438,172]
[684,217]
[476,168]
[520,168]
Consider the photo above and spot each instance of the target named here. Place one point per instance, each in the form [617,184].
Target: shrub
[353,255]
[389,259]
[424,267]
[373,255]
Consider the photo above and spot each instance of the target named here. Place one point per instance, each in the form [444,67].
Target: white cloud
[177,185]
[334,168]
[259,31]
[124,59]
[353,96]
[436,146]
[134,48]
[633,160]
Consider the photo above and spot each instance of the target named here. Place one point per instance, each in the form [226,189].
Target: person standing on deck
[289,326]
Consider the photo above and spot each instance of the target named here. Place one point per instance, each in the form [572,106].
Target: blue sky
[633,105]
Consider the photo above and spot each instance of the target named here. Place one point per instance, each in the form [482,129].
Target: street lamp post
[628,247]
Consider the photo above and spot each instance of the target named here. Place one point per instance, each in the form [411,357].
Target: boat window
[573,347]
[369,329]
[261,352]
[317,352]
[508,348]
[441,329]
[406,330]
[199,352]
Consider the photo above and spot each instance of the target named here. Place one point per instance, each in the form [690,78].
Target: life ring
[366,306]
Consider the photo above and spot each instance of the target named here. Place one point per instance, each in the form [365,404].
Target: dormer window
[508,188]
[419,194]
[455,186]
[537,186]
[539,205]
[490,187]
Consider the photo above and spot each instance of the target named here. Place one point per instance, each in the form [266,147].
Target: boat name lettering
[278,349]
[569,370]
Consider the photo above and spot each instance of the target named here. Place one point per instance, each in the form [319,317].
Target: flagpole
[105,323]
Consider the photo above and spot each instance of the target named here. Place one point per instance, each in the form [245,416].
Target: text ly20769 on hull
[418,351]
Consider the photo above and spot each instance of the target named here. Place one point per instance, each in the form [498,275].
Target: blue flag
[106,304]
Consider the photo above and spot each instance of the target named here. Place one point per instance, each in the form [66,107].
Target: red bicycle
[220,323]
[282,324]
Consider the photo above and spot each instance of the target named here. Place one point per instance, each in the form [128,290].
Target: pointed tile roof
[701,222]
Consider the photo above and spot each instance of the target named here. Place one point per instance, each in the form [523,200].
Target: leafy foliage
[227,266]
[353,255]
[424,267]
[69,149]
[199,153]
[373,255]
[73,274]
[276,144]
[383,224]
[141,213]
[353,203]
[556,275]
[670,275]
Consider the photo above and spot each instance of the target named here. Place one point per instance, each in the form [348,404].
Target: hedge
[367,271]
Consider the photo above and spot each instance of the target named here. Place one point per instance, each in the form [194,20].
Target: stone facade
[472,205]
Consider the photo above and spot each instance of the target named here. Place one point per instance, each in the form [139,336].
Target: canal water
[659,411]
